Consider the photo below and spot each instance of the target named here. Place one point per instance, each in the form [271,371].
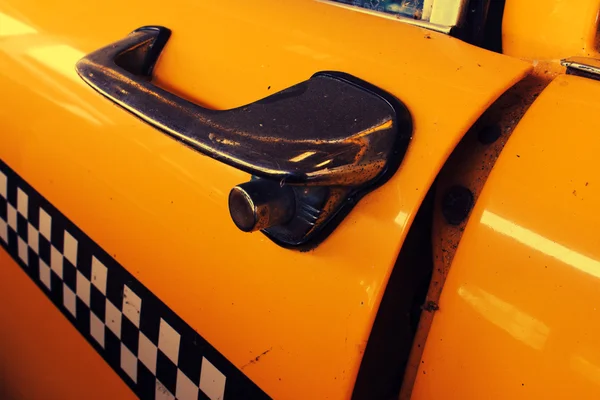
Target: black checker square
[12,243]
[44,249]
[112,348]
[98,303]
[130,334]
[11,191]
[166,371]
[33,263]
[84,259]
[146,382]
[69,274]
[190,359]
[3,209]
[202,396]
[149,322]
[56,283]
[22,227]
[33,212]
[114,287]
[57,234]
[83,316]
[192,347]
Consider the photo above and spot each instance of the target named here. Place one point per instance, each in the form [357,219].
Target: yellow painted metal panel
[550,30]
[41,355]
[518,315]
[161,209]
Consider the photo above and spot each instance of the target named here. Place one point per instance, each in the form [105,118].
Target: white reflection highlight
[585,368]
[324,163]
[302,156]
[542,244]
[401,218]
[78,111]
[12,27]
[507,317]
[60,58]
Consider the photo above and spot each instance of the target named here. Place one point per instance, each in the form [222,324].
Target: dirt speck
[430,306]
[256,359]
[575,193]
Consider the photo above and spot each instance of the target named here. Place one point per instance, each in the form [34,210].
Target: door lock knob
[261,204]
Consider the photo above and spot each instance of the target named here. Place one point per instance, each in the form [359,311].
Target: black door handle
[331,138]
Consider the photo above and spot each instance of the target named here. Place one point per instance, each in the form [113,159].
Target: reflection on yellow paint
[302,156]
[401,218]
[541,244]
[59,58]
[370,293]
[515,322]
[75,110]
[12,27]
[585,368]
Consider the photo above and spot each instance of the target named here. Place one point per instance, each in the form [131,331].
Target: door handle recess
[313,149]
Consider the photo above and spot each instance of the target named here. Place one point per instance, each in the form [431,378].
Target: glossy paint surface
[518,315]
[33,329]
[161,209]
[550,30]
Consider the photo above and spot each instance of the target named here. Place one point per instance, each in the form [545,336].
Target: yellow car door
[122,273]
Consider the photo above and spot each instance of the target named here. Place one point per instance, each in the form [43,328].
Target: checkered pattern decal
[157,354]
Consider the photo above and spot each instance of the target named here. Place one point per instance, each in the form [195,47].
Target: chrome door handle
[325,141]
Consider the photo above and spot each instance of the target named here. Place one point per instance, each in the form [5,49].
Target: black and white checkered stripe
[157,354]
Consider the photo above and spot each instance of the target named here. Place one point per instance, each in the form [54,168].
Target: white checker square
[113,318]
[45,274]
[3,185]
[56,261]
[45,224]
[99,275]
[23,250]
[83,288]
[33,238]
[3,231]
[147,353]
[162,393]
[97,329]
[129,363]
[168,341]
[12,216]
[212,381]
[132,306]
[70,248]
[69,300]
[22,201]
[186,389]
